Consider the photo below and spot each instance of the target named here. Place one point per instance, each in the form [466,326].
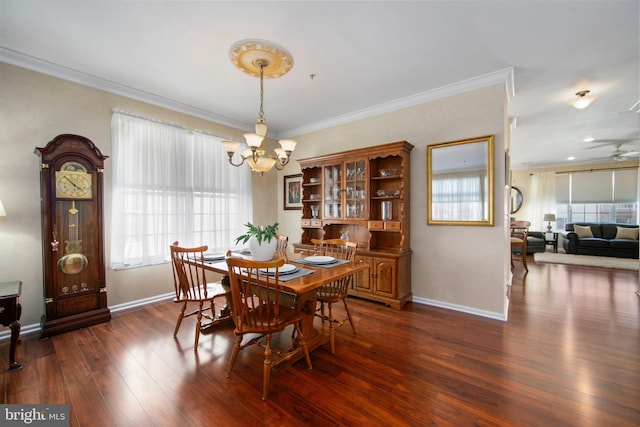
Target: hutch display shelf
[363,196]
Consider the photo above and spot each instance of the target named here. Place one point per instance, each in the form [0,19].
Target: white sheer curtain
[543,199]
[170,184]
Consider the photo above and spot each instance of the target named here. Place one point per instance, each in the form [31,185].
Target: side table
[551,239]
[10,311]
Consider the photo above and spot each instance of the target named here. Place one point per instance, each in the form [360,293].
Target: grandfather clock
[71,187]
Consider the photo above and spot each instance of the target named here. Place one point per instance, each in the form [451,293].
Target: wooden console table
[10,311]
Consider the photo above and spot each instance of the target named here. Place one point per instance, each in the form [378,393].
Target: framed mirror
[516,199]
[460,182]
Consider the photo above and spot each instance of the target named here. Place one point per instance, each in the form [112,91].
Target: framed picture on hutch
[71,188]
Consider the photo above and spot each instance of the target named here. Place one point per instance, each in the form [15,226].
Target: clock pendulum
[73,262]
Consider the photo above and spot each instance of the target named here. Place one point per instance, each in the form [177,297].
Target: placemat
[333,264]
[301,272]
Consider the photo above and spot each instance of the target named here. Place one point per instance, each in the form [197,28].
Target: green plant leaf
[261,233]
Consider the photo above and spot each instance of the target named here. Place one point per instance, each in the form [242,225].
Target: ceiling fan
[620,155]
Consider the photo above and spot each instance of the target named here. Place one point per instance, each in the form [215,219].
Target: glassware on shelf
[314,211]
[386,211]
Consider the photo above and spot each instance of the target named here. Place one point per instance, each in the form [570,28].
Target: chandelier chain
[261,112]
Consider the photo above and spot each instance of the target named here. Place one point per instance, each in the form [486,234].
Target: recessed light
[571,158]
[589,139]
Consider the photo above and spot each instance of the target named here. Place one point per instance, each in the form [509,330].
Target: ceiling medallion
[248,55]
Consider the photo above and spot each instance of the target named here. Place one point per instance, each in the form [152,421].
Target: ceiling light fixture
[584,99]
[260,58]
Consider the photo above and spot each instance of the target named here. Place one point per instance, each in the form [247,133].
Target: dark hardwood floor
[568,356]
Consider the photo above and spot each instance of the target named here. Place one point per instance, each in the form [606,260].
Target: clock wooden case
[71,187]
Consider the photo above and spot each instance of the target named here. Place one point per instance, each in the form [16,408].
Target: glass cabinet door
[355,190]
[332,191]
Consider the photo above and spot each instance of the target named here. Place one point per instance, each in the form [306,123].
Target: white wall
[458,267]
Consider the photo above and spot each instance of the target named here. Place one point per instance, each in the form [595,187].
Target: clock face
[73,185]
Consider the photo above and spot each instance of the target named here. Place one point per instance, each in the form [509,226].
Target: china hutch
[363,196]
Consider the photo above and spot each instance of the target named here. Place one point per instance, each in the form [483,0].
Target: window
[597,196]
[171,184]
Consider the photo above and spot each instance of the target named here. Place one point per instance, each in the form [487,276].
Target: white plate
[285,269]
[320,259]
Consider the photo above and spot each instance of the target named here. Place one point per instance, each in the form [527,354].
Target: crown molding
[504,76]
[12,57]
[35,64]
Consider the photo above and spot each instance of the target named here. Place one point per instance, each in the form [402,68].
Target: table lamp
[549,217]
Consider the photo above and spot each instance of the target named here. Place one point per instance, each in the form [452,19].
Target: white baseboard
[461,308]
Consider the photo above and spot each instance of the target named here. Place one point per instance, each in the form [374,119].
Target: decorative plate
[285,269]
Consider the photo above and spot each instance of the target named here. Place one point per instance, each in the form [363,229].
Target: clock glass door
[76,266]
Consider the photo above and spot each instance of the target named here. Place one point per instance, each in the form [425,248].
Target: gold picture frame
[460,182]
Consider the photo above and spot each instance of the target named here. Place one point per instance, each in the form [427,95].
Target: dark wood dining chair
[191,286]
[336,291]
[519,234]
[256,309]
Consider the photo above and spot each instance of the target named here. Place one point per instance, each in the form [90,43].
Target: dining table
[303,285]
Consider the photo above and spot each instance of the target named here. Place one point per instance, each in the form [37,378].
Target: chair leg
[322,311]
[234,355]
[303,344]
[180,317]
[524,259]
[346,308]
[332,330]
[198,326]
[266,369]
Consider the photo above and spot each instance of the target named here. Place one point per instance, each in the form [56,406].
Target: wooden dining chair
[519,234]
[191,286]
[336,291]
[256,309]
[281,248]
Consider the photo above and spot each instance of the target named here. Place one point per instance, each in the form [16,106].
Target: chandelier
[260,58]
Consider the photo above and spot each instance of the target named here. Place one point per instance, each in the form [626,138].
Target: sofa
[602,239]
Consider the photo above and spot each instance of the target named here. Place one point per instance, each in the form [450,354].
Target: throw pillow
[627,233]
[583,231]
